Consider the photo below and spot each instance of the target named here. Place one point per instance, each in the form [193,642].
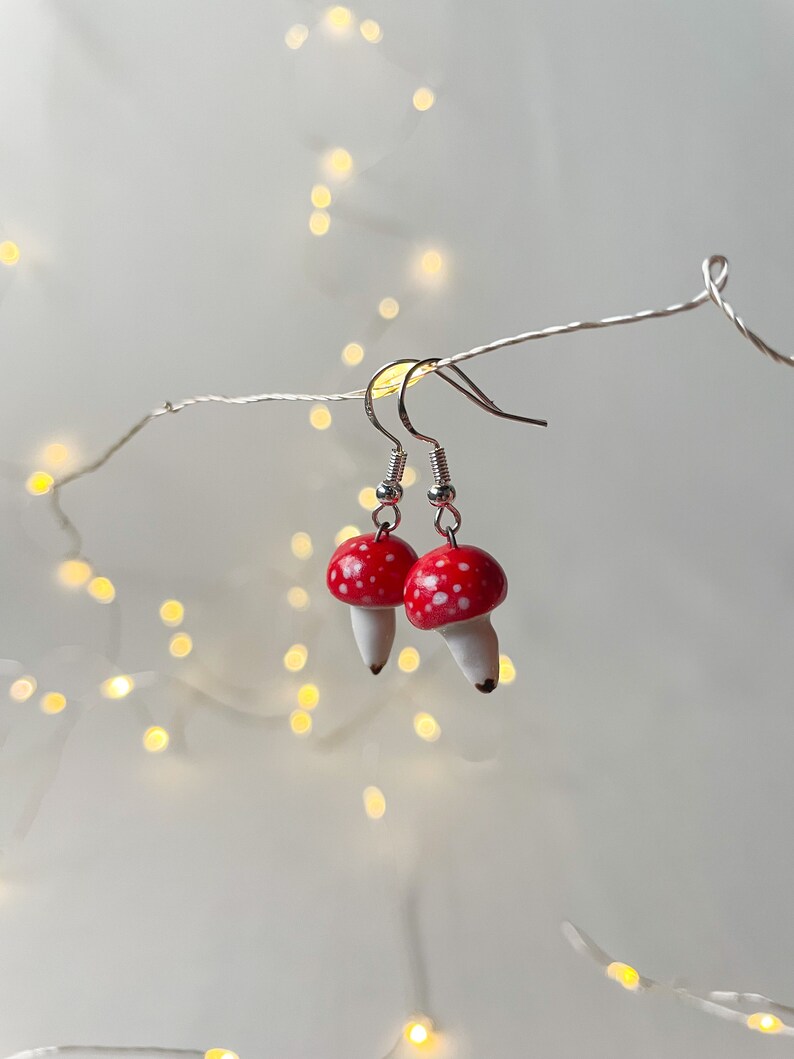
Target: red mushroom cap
[453,584]
[369,573]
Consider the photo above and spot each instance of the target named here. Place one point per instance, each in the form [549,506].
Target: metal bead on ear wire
[454,588]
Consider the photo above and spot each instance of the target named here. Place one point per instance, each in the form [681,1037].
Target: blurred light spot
[155,739]
[321,196]
[624,975]
[9,252]
[295,658]
[431,262]
[296,36]
[220,1053]
[418,1031]
[301,545]
[371,31]
[345,533]
[388,308]
[507,671]
[53,702]
[352,354]
[308,696]
[72,573]
[424,98]
[102,589]
[298,598]
[180,645]
[408,659]
[117,687]
[300,722]
[427,727]
[39,483]
[409,476]
[319,222]
[340,161]
[764,1022]
[374,803]
[367,498]
[390,379]
[320,417]
[339,17]
[56,454]
[171,612]
[22,689]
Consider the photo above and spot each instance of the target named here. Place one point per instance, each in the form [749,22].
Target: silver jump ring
[445,531]
[385,526]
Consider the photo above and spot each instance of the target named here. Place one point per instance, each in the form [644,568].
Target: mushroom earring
[368,571]
[454,588]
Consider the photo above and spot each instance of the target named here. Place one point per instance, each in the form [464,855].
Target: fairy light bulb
[319,222]
[339,162]
[764,1022]
[431,262]
[507,671]
[321,196]
[300,722]
[423,98]
[390,379]
[39,483]
[156,739]
[339,17]
[374,803]
[367,498]
[419,1031]
[301,545]
[56,454]
[296,36]
[73,573]
[296,657]
[9,252]
[180,645]
[172,612]
[408,659]
[53,702]
[345,533]
[298,598]
[320,417]
[101,589]
[308,696]
[624,975]
[22,688]
[117,687]
[409,477]
[371,32]
[220,1053]
[388,308]
[427,727]
[352,354]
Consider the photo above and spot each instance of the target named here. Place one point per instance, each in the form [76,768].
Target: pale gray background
[583,157]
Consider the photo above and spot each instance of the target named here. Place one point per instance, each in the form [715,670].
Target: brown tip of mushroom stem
[376,669]
[486,687]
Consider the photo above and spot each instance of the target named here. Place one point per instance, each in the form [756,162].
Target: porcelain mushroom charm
[453,589]
[368,574]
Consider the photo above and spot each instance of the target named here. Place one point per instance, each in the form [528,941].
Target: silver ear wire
[390,491]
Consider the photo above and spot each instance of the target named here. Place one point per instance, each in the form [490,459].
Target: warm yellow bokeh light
[56,454]
[220,1053]
[367,498]
[298,598]
[409,476]
[9,252]
[345,533]
[53,702]
[296,657]
[431,262]
[321,196]
[117,687]
[507,671]
[73,573]
[102,589]
[424,98]
[374,802]
[171,612]
[296,36]
[371,31]
[388,308]
[22,689]
[39,483]
[340,160]
[320,417]
[339,17]
[390,379]
[764,1022]
[427,727]
[352,354]
[418,1031]
[300,722]
[319,222]
[180,645]
[408,659]
[308,696]
[301,545]
[155,739]
[624,975]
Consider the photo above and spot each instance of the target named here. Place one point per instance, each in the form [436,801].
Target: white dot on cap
[440,562]
[463,603]
[389,558]
[463,566]
[456,588]
[440,597]
[343,590]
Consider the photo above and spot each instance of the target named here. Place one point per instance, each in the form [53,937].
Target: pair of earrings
[452,589]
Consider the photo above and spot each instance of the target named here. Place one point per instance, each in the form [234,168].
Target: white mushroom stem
[475,648]
[374,628]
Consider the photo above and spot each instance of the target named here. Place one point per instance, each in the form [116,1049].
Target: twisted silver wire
[101,1049]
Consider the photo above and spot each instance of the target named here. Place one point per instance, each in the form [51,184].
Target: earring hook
[369,400]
